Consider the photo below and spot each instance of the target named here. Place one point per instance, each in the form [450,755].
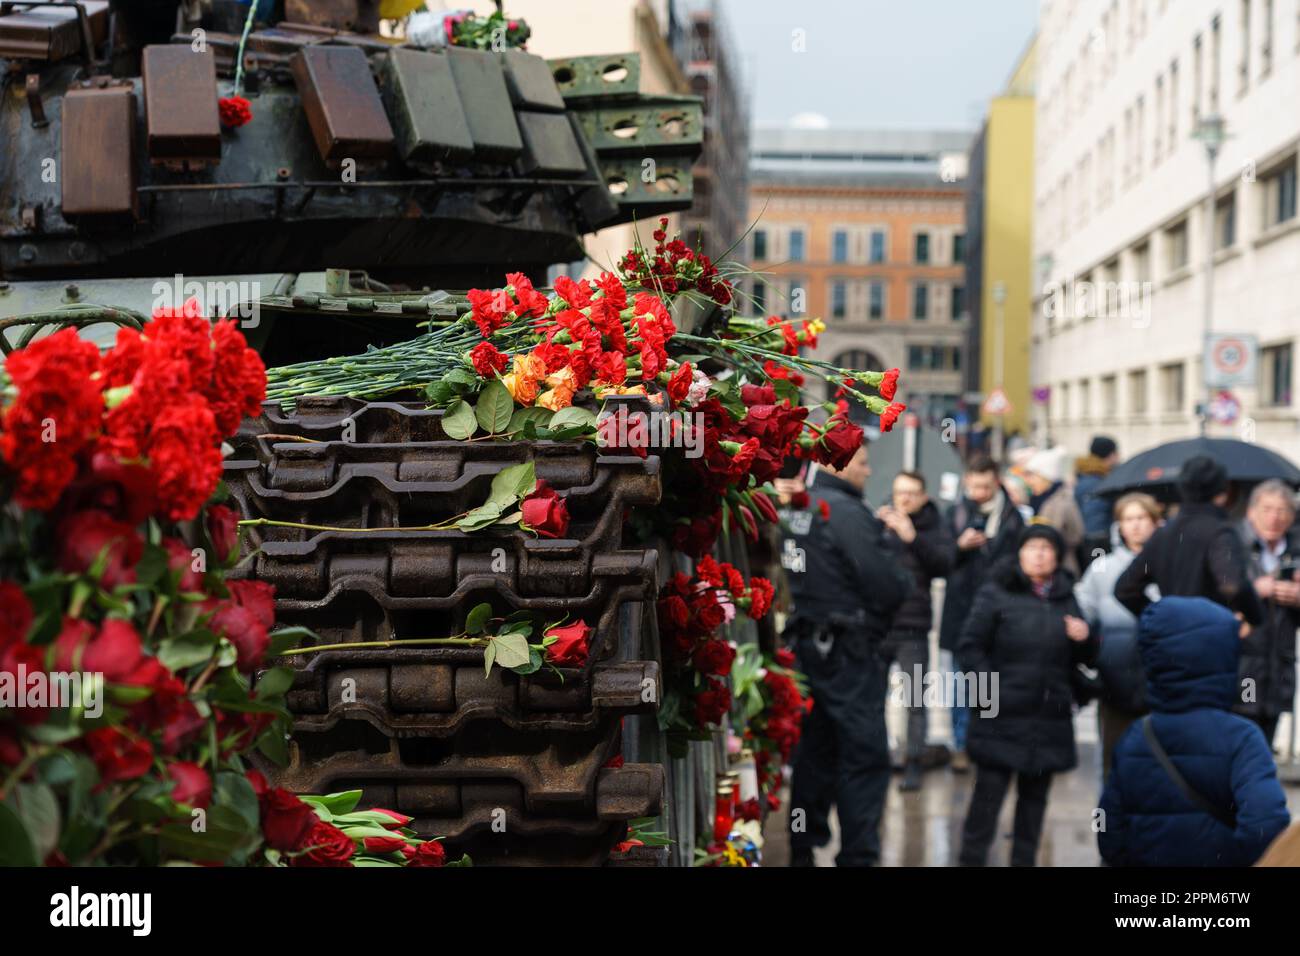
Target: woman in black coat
[1027,634]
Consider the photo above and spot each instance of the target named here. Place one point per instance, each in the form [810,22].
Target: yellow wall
[1008,249]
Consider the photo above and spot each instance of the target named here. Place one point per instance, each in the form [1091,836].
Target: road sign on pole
[1230,360]
[997,403]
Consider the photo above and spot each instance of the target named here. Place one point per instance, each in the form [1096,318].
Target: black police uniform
[847,584]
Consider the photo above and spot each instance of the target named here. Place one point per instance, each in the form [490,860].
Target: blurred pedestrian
[1266,676]
[844,603]
[985,526]
[1027,629]
[1053,501]
[1191,783]
[1089,472]
[1123,685]
[1196,554]
[915,528]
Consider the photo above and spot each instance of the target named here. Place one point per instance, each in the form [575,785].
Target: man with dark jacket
[915,529]
[844,600]
[1222,804]
[1197,554]
[1266,677]
[1089,472]
[985,525]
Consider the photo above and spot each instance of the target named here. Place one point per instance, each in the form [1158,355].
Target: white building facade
[1122,231]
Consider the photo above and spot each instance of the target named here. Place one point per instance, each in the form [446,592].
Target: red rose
[115,651]
[714,657]
[180,561]
[242,628]
[257,596]
[889,385]
[126,492]
[488,360]
[15,613]
[710,616]
[839,444]
[193,785]
[784,657]
[384,844]
[750,809]
[287,822]
[223,532]
[570,648]
[398,819]
[764,506]
[235,111]
[329,846]
[257,780]
[85,535]
[890,416]
[545,512]
[680,383]
[118,756]
[430,853]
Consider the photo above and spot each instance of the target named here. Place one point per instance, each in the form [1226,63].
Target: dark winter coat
[1020,637]
[1189,650]
[1268,653]
[850,571]
[970,569]
[1089,472]
[1197,554]
[929,556]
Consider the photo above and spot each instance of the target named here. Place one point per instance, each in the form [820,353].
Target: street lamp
[1212,131]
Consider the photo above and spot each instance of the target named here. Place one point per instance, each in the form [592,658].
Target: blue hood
[1189,649]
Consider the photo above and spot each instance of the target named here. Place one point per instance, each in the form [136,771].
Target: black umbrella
[1156,470]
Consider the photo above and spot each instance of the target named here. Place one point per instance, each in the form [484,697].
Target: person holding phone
[1266,673]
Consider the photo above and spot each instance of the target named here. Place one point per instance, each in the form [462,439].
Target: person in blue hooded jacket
[1229,804]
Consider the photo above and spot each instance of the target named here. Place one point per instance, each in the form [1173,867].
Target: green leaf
[461,381]
[478,618]
[480,517]
[511,649]
[288,637]
[344,801]
[512,483]
[38,808]
[227,833]
[788,390]
[536,414]
[458,421]
[152,566]
[513,518]
[274,745]
[16,846]
[495,407]
[489,656]
[186,650]
[535,661]
[571,416]
[234,791]
[439,394]
[274,682]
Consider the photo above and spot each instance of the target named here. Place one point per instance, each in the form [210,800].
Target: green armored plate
[532,87]
[420,95]
[550,148]
[486,102]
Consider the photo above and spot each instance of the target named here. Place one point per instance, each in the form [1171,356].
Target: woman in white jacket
[1123,694]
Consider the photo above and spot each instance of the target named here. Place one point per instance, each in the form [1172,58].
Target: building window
[917,356]
[796,245]
[1063,409]
[1279,194]
[839,300]
[1176,254]
[840,246]
[877,246]
[920,301]
[1216,50]
[1137,392]
[1109,397]
[958,303]
[760,297]
[1275,367]
[1172,394]
[1142,262]
[1266,44]
[876,302]
[959,247]
[1085,399]
[1225,221]
[922,256]
[760,245]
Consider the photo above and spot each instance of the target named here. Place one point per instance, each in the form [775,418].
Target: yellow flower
[817,326]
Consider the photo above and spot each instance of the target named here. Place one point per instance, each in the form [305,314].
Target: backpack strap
[1228,819]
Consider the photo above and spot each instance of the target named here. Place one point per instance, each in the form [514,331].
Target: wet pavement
[924,828]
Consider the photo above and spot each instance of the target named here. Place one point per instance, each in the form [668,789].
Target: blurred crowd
[1176,611]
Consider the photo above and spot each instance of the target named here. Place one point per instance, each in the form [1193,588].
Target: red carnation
[545,512]
[16,613]
[488,360]
[889,417]
[680,383]
[824,509]
[889,385]
[839,444]
[714,657]
[235,111]
[761,593]
[711,705]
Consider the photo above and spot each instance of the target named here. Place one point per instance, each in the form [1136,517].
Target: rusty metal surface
[98,171]
[49,33]
[361,16]
[342,104]
[180,104]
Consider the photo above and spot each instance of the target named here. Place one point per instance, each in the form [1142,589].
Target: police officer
[844,600]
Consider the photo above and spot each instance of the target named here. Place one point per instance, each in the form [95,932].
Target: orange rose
[563,384]
[522,382]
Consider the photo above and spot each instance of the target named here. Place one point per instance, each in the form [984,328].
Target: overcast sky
[879,63]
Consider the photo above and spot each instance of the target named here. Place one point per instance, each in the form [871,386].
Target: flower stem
[405,642]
